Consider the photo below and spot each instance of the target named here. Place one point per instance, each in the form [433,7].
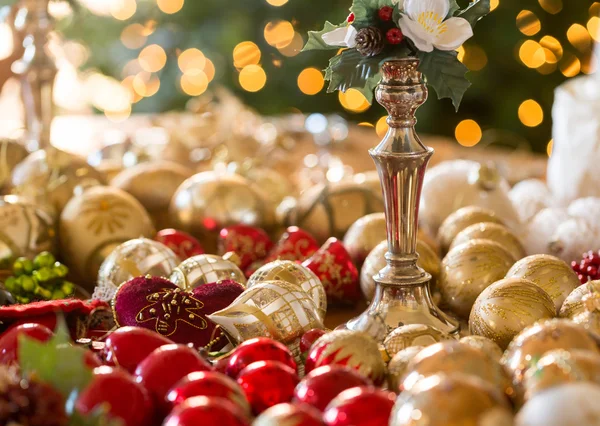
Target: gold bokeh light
[170,6]
[494,5]
[532,54]
[294,47]
[133,36]
[528,23]
[277,3]
[468,133]
[381,127]
[246,53]
[551,6]
[354,101]
[531,113]
[252,78]
[569,65]
[310,81]
[152,58]
[191,59]
[593,27]
[194,82]
[579,37]
[279,33]
[122,9]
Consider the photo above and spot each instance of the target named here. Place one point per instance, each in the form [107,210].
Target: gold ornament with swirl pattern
[484,344]
[491,231]
[461,219]
[409,335]
[397,367]
[573,304]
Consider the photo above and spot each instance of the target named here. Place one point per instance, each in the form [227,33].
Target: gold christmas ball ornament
[451,400]
[508,306]
[11,154]
[94,223]
[462,219]
[470,268]
[573,304]
[294,273]
[550,273]
[364,235]
[533,342]
[153,184]
[397,367]
[451,357]
[207,202]
[484,344]
[131,259]
[491,231]
[204,269]
[590,318]
[409,335]
[273,184]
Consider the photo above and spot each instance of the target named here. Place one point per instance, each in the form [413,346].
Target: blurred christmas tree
[164,51]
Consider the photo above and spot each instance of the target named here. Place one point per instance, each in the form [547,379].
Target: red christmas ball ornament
[202,410]
[588,268]
[251,244]
[323,384]
[9,340]
[220,365]
[267,383]
[182,244]
[91,360]
[258,349]
[350,18]
[310,337]
[289,414]
[394,36]
[117,390]
[126,347]
[386,13]
[362,406]
[333,265]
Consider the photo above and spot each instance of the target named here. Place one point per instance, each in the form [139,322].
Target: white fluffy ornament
[539,231]
[529,197]
[587,208]
[574,237]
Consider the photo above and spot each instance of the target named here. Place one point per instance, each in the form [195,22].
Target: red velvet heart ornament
[159,305]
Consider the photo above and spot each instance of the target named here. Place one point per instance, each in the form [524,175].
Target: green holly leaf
[476,10]
[366,12]
[315,38]
[454,7]
[446,74]
[350,69]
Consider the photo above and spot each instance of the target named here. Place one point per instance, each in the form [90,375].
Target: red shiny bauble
[182,244]
[208,383]
[267,383]
[351,18]
[91,360]
[310,337]
[258,349]
[362,406]
[394,36]
[116,390]
[9,340]
[128,346]
[220,365]
[290,414]
[202,410]
[165,366]
[386,13]
[333,265]
[588,268]
[323,384]
[249,243]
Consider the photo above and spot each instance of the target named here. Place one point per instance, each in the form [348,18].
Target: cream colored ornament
[364,235]
[573,304]
[153,184]
[397,367]
[539,231]
[470,268]
[131,259]
[484,344]
[491,231]
[94,223]
[462,219]
[590,318]
[550,273]
[294,273]
[204,269]
[508,306]
[573,237]
[451,400]
[275,309]
[529,197]
[409,335]
[11,154]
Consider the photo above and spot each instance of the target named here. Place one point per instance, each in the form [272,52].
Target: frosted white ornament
[529,197]
[587,208]
[541,228]
[573,238]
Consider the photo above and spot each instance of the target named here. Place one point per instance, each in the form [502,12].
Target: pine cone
[369,41]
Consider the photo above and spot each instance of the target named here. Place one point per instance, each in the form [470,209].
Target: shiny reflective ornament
[364,235]
[508,306]
[203,269]
[289,415]
[293,273]
[451,400]
[360,406]
[182,244]
[409,335]
[550,273]
[461,220]
[94,223]
[470,268]
[11,154]
[533,342]
[397,367]
[590,318]
[484,344]
[274,184]
[491,231]
[153,184]
[573,304]
[249,243]
[131,259]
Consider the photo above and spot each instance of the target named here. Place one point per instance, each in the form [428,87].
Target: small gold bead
[192,316]
[167,317]
[153,311]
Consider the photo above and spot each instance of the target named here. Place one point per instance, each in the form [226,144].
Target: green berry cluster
[41,279]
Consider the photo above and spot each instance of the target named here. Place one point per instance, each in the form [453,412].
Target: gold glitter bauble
[491,231]
[397,366]
[275,309]
[364,235]
[409,335]
[153,184]
[451,400]
[470,268]
[272,183]
[573,304]
[204,269]
[11,154]
[94,223]
[550,273]
[484,344]
[590,318]
[533,342]
[375,262]
[294,273]
[208,202]
[453,356]
[462,219]
[508,306]
[558,367]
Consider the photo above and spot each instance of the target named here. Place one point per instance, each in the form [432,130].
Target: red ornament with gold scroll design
[251,244]
[182,244]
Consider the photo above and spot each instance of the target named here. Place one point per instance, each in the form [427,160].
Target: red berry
[394,36]
[365,406]
[386,13]
[267,383]
[202,410]
[128,346]
[117,390]
[583,278]
[325,383]
[592,271]
[9,340]
[258,349]
[290,414]
[350,18]
[575,266]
